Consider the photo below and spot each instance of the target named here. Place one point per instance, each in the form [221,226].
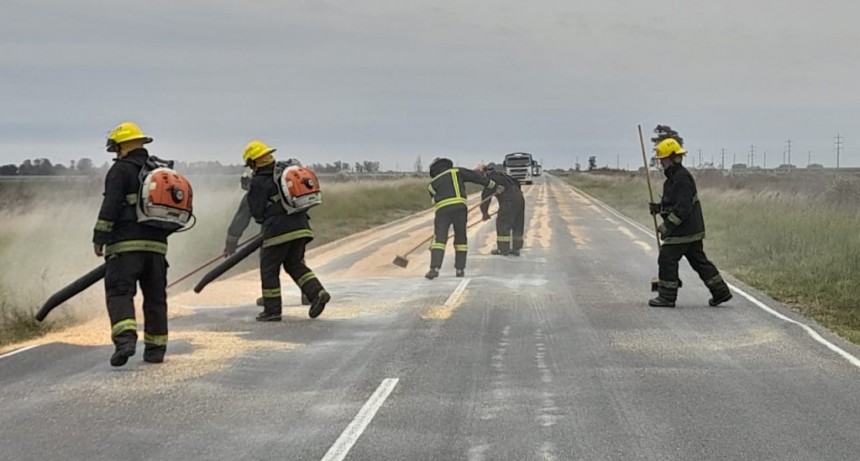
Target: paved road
[553,355]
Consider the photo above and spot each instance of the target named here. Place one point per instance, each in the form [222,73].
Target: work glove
[500,189]
[655,208]
[99,249]
[662,229]
[230,245]
[486,217]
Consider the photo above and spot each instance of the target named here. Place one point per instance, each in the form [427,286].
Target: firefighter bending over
[682,230]
[448,193]
[510,222]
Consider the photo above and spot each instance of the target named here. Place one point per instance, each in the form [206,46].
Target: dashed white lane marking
[16,351]
[350,435]
[452,300]
[808,329]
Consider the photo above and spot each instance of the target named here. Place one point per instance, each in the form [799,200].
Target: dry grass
[798,243]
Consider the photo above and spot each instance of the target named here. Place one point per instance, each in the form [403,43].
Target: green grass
[802,249]
[51,228]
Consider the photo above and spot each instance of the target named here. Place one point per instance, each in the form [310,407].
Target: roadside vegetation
[45,239]
[796,239]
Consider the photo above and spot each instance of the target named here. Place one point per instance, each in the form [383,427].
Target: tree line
[85,166]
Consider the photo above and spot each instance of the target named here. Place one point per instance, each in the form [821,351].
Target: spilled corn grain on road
[553,355]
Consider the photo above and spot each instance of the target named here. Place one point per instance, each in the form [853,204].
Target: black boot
[318,304]
[667,293]
[515,252]
[720,292]
[305,300]
[121,354]
[432,273]
[154,354]
[260,301]
[268,317]
[461,273]
[496,251]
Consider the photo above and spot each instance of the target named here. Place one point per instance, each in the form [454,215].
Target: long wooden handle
[648,179]
[204,266]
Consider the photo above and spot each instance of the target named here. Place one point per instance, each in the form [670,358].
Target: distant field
[47,229]
[796,240]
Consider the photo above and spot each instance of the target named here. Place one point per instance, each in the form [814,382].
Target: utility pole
[765,160]
[752,156]
[788,149]
[809,159]
[700,158]
[838,146]
[723,159]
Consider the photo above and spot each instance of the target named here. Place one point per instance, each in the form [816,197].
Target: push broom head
[401,261]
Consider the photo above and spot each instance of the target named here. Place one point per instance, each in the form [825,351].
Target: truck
[519,166]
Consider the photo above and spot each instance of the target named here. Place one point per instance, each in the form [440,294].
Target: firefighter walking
[448,193]
[134,252]
[510,222]
[682,230]
[240,222]
[285,237]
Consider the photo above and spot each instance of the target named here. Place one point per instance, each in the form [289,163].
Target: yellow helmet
[256,149]
[125,132]
[667,147]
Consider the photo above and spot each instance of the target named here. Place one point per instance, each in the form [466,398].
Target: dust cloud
[46,227]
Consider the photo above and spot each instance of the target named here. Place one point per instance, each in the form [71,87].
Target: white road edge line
[457,293]
[350,435]
[9,354]
[808,329]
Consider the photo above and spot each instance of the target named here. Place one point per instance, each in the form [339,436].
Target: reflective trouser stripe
[288,237]
[104,226]
[305,279]
[272,292]
[136,245]
[437,246]
[502,238]
[461,247]
[155,340]
[123,325]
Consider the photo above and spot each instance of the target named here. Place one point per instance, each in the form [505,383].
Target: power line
[838,146]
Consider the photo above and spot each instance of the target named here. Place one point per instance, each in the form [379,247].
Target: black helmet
[490,167]
[440,164]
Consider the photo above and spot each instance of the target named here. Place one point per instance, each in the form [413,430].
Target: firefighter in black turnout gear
[682,230]
[241,221]
[285,237]
[510,222]
[134,252]
[448,193]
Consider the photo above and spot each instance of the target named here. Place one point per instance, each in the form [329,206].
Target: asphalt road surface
[550,356]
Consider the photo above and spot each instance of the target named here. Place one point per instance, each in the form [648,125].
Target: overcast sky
[469,79]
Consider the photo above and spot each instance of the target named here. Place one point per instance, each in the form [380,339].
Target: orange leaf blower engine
[298,186]
[165,196]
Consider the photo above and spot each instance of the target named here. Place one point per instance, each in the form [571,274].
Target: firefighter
[285,237]
[510,222]
[682,230]
[448,193]
[240,222]
[134,252]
